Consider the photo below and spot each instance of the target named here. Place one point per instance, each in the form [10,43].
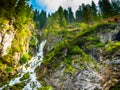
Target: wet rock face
[51,41]
[117,36]
[6,42]
[16,58]
[6,37]
[109,35]
[88,78]
[82,79]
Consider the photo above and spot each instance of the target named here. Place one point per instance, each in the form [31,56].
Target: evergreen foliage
[62,20]
[88,14]
[116,5]
[70,14]
[106,8]
[66,15]
[43,19]
[79,15]
[94,10]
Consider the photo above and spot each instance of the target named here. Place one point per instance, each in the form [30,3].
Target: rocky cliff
[14,44]
[82,60]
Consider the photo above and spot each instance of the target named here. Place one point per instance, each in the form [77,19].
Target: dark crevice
[117,36]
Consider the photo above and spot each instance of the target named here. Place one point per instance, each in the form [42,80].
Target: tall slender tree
[94,9]
[87,14]
[42,19]
[66,15]
[79,14]
[62,20]
[7,8]
[106,8]
[70,14]
[116,5]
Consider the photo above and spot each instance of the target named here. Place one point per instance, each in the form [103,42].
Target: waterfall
[31,82]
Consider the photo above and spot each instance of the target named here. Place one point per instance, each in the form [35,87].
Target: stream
[29,67]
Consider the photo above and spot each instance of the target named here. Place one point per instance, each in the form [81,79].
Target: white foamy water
[32,83]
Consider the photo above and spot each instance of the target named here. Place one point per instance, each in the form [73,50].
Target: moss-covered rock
[79,57]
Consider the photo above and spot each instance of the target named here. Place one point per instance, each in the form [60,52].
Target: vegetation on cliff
[74,42]
[15,17]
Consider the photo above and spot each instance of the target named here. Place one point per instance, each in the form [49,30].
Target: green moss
[25,76]
[69,69]
[24,59]
[46,88]
[33,41]
[15,46]
[57,51]
[8,69]
[74,50]
[113,47]
[60,46]
[18,86]
[92,38]
[92,30]
[68,59]
[100,44]
[48,57]
[7,59]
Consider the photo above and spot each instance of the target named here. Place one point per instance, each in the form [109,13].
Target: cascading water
[31,82]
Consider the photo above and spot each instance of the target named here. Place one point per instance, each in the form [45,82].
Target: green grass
[46,88]
[113,46]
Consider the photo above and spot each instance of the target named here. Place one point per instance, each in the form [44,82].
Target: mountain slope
[82,59]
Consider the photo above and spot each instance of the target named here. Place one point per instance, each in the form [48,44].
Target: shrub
[33,41]
[25,76]
[91,38]
[46,88]
[69,69]
[113,46]
[100,45]
[83,25]
[75,50]
[8,69]
[24,58]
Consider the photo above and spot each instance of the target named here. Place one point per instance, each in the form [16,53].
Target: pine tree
[70,14]
[94,10]
[53,21]
[87,14]
[106,8]
[62,20]
[79,14]
[116,5]
[42,19]
[66,15]
[7,8]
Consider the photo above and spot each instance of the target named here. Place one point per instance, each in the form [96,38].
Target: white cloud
[52,5]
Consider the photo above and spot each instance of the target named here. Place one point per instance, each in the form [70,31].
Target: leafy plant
[112,47]
[24,58]
[46,88]
[100,44]
[75,50]
[8,69]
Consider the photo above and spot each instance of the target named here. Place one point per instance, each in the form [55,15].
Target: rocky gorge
[71,45]
[82,60]
[11,51]
[74,59]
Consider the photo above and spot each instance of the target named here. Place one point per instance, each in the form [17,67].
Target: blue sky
[52,5]
[37,5]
